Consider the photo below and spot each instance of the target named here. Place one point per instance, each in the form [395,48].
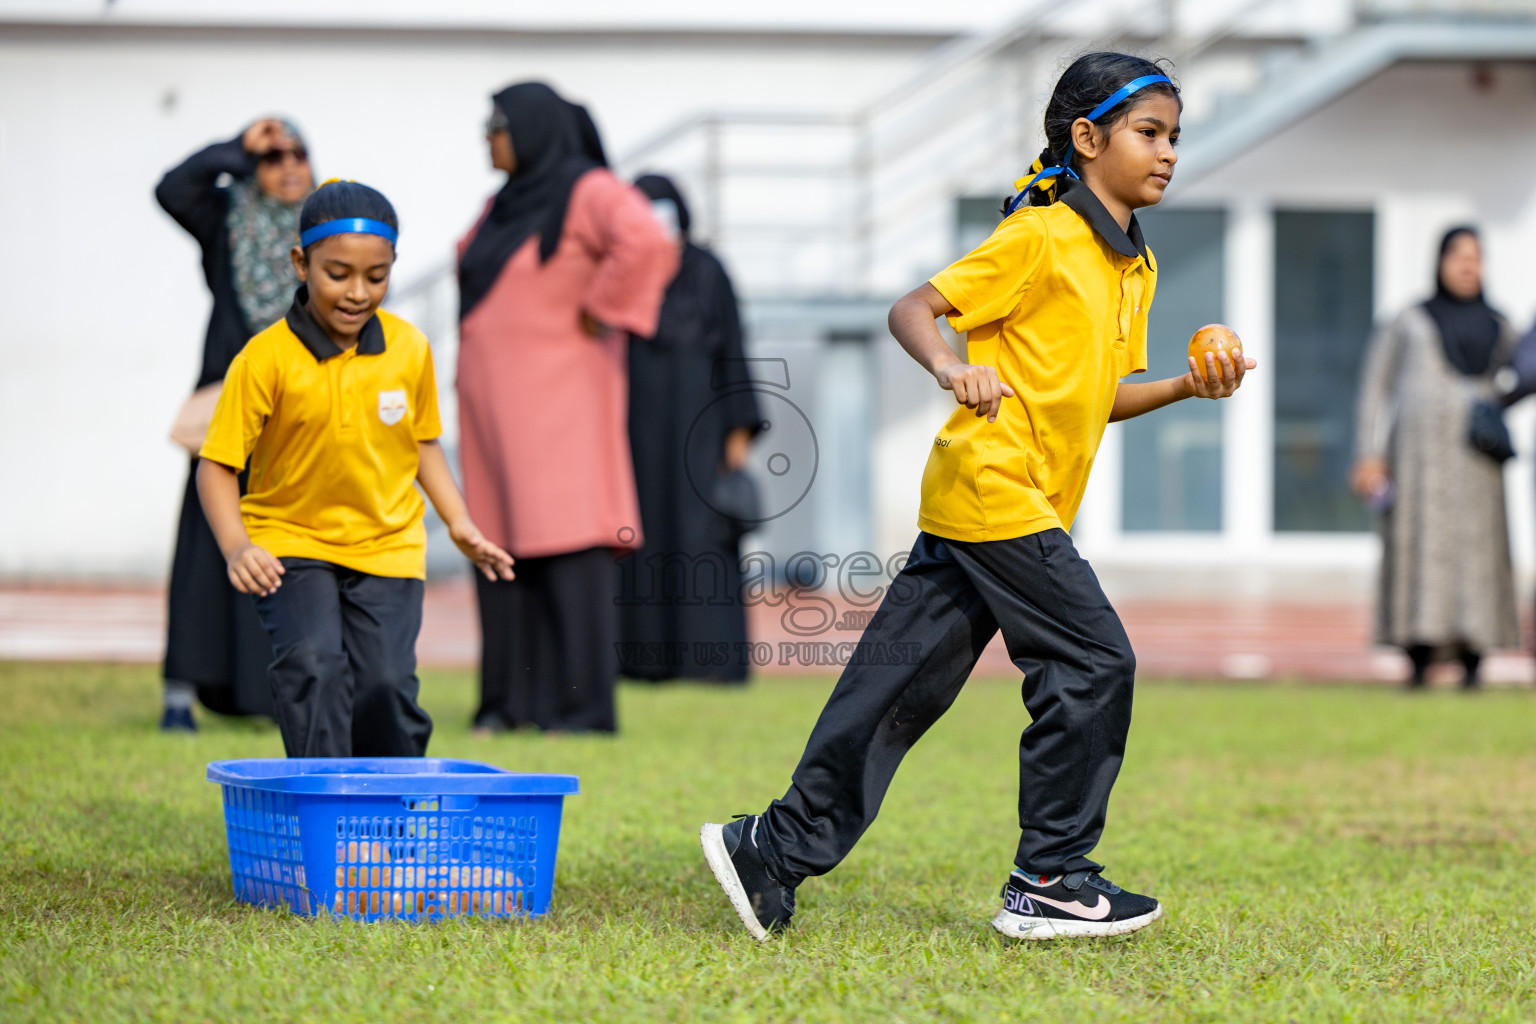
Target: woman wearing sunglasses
[240,201]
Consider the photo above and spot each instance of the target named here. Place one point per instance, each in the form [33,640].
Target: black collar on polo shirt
[370,340]
[1081,199]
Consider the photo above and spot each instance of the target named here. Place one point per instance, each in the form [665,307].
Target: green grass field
[1324,854]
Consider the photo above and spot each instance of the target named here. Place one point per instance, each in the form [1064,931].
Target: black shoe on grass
[177,720]
[1071,906]
[763,904]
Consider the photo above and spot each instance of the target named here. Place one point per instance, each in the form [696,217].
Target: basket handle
[446,802]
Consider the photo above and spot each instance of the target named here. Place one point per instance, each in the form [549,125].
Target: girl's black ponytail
[1044,192]
[1087,82]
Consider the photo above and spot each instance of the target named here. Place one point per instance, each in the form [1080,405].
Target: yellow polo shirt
[332,436]
[1056,299]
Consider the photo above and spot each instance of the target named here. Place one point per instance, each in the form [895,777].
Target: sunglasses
[497,122]
[273,157]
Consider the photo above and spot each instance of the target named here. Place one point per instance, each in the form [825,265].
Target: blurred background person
[1446,586]
[1523,362]
[215,647]
[565,260]
[691,424]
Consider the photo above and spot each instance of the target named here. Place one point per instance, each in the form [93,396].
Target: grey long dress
[1445,572]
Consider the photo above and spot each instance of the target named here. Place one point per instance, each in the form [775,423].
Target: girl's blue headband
[1114,100]
[348,225]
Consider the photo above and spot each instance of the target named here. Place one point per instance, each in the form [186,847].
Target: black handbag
[1487,431]
[736,498]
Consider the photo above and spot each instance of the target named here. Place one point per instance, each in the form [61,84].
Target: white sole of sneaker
[1017,926]
[725,873]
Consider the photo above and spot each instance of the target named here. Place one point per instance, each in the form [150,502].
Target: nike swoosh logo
[1098,912]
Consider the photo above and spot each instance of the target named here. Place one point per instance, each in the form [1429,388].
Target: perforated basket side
[423,857]
[266,856]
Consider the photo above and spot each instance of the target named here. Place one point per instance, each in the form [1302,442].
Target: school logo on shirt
[392,407]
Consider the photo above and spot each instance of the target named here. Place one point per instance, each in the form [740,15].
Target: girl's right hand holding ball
[254,570]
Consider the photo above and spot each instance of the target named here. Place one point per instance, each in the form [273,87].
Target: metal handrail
[421,283]
[1389,10]
[682,128]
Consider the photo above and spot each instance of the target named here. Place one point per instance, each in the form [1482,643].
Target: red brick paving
[1246,638]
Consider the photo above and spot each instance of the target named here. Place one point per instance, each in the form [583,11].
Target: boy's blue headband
[348,225]
[1114,100]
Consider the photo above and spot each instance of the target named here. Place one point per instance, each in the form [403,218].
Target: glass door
[1324,288]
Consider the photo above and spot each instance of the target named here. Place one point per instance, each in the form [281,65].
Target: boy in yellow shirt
[1055,305]
[335,407]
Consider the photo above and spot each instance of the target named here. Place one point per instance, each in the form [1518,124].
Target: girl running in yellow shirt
[1055,306]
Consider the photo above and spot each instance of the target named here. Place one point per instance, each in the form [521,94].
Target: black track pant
[938,616]
[344,673]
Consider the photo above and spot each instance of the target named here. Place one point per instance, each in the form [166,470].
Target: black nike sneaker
[1071,906]
[763,904]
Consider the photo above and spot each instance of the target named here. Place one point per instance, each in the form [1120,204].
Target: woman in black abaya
[240,201]
[692,416]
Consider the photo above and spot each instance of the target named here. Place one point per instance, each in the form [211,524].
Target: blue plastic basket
[391,837]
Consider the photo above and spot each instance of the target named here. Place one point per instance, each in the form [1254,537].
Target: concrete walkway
[1185,638]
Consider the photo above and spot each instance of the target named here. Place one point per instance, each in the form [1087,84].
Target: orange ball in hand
[1213,338]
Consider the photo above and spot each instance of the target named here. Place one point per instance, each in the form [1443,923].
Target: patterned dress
[1445,571]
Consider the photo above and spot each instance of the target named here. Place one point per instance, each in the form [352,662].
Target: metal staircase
[860,202]
[1385,32]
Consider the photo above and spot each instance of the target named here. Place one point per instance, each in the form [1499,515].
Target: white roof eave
[1338,68]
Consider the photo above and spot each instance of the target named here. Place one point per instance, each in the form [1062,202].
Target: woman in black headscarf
[692,416]
[1446,586]
[240,201]
[565,262]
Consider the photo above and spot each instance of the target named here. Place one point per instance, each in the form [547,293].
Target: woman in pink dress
[566,261]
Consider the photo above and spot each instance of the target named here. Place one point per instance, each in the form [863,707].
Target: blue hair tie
[1114,100]
[345,226]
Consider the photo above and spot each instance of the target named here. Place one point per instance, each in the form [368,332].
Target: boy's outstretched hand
[488,558]
[256,571]
[975,387]
[1221,376]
